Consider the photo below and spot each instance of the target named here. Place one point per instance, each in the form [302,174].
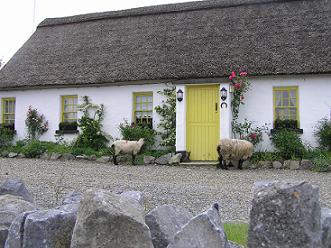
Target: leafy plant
[322,163]
[167,111]
[35,123]
[136,132]
[246,131]
[288,144]
[6,137]
[33,149]
[90,124]
[68,126]
[264,156]
[323,133]
[286,124]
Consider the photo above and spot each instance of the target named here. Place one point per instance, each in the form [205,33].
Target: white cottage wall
[314,92]
[118,101]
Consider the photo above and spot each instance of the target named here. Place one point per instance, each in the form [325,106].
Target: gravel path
[192,187]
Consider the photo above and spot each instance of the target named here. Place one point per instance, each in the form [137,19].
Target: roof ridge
[157,9]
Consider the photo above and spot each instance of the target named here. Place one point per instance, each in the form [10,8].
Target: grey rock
[16,187]
[45,156]
[16,231]
[246,164]
[21,155]
[50,228]
[10,207]
[136,195]
[203,230]
[164,160]
[287,164]
[72,197]
[277,165]
[175,160]
[55,156]
[12,155]
[103,159]
[164,222]
[264,164]
[4,154]
[82,157]
[92,158]
[109,220]
[326,227]
[306,164]
[294,165]
[285,214]
[68,156]
[149,160]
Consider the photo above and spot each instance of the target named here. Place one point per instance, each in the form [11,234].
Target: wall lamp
[224,94]
[180,94]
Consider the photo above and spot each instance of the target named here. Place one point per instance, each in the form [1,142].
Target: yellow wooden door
[202,121]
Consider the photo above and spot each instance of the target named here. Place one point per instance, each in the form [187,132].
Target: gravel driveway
[192,187]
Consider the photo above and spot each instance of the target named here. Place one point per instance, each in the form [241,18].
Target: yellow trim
[135,94]
[4,100]
[288,89]
[202,121]
[63,105]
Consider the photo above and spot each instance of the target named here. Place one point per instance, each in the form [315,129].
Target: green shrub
[322,163]
[33,149]
[35,123]
[288,144]
[264,156]
[91,135]
[6,136]
[136,132]
[323,134]
[83,151]
[167,111]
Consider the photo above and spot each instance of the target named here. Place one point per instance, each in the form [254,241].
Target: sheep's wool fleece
[235,149]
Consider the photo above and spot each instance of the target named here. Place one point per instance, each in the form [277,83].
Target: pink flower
[243,74]
[242,98]
[253,135]
[237,86]
[233,75]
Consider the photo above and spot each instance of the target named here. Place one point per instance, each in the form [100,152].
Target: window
[286,103]
[8,111]
[143,108]
[69,109]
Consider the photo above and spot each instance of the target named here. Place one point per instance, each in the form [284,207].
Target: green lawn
[237,232]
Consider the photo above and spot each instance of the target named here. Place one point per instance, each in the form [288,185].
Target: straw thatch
[180,41]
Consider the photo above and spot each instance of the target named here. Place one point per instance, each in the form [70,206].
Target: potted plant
[286,124]
[68,126]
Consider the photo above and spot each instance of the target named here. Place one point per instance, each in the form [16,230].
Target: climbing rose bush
[35,123]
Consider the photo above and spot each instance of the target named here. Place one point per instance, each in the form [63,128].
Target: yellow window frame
[288,89]
[141,94]
[63,106]
[4,113]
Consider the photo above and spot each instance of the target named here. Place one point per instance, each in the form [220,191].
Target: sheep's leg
[225,167]
[240,164]
[219,164]
[114,158]
[133,159]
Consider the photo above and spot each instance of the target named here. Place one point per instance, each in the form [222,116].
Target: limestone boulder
[10,207]
[55,156]
[12,155]
[68,156]
[306,164]
[106,220]
[149,160]
[326,227]
[164,160]
[50,228]
[285,214]
[164,222]
[103,159]
[175,160]
[72,197]
[136,195]
[203,230]
[277,165]
[16,187]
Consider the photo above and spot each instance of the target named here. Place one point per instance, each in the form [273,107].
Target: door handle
[216,106]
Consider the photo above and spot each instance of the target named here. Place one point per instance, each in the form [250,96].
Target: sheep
[127,147]
[233,149]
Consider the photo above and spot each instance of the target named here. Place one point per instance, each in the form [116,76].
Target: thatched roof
[179,41]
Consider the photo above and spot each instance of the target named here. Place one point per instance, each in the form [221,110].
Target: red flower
[237,86]
[243,74]
[253,135]
[233,75]
[242,98]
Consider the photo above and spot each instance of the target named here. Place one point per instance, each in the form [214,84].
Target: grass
[237,232]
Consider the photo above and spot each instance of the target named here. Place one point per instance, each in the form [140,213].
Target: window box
[67,128]
[297,130]
[66,131]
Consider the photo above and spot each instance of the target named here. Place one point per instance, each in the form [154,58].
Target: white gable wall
[118,101]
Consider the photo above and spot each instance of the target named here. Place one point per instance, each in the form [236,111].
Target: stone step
[199,163]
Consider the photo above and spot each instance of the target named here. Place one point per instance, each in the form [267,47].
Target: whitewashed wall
[314,104]
[118,101]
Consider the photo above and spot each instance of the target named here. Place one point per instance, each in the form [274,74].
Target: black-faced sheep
[126,147]
[233,149]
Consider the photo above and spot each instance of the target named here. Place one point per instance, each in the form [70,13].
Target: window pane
[138,98]
[285,102]
[144,99]
[278,102]
[144,106]
[292,93]
[292,102]
[293,113]
[69,115]
[285,94]
[150,106]
[149,98]
[138,107]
